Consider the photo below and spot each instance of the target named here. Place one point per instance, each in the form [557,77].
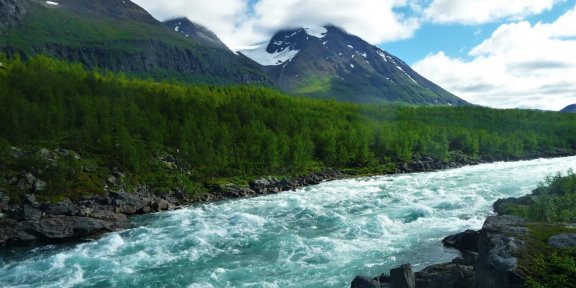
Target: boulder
[28,212]
[65,207]
[467,258]
[4,201]
[30,199]
[366,282]
[467,240]
[498,243]
[447,275]
[562,241]
[260,185]
[402,277]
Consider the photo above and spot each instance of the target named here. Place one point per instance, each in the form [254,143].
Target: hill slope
[569,109]
[120,36]
[327,62]
[195,31]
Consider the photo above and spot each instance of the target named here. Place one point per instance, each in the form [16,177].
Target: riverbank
[30,222]
[318,236]
[531,242]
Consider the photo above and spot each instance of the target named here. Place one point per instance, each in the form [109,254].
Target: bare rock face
[497,265]
[465,241]
[562,241]
[11,11]
[402,277]
[446,275]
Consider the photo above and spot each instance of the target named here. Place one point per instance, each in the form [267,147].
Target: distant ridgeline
[121,123]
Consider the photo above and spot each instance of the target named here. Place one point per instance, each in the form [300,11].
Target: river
[318,236]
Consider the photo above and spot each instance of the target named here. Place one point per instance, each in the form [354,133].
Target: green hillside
[119,124]
[122,37]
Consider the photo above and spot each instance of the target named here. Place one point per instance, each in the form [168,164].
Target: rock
[259,185]
[117,219]
[467,258]
[365,282]
[30,199]
[498,243]
[402,277]
[39,185]
[27,212]
[4,201]
[111,180]
[467,240]
[160,205]
[562,241]
[65,207]
[445,275]
[54,229]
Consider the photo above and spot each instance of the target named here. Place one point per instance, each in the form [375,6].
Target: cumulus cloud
[519,65]
[239,23]
[486,11]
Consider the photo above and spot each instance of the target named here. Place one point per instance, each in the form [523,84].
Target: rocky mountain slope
[569,109]
[327,62]
[195,31]
[119,35]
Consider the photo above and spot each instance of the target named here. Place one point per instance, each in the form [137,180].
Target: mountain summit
[120,36]
[195,31]
[569,109]
[328,62]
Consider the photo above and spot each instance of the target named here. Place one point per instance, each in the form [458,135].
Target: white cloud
[239,24]
[520,65]
[484,11]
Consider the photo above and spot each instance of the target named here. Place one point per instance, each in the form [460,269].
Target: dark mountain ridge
[197,32]
[569,109]
[120,36]
[328,62]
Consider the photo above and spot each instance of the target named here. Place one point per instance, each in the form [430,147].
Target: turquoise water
[319,236]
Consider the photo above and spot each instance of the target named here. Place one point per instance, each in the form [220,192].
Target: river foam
[318,236]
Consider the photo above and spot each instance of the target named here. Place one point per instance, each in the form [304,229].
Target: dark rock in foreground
[465,241]
[494,265]
[402,277]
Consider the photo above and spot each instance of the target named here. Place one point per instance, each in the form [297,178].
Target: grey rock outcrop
[465,241]
[402,277]
[12,12]
[498,243]
[367,282]
[562,241]
[446,275]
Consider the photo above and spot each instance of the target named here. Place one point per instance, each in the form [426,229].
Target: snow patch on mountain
[400,68]
[263,57]
[51,3]
[316,31]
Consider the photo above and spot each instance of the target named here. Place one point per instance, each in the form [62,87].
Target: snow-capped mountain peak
[316,31]
[329,62]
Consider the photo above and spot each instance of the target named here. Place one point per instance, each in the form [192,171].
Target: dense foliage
[553,203]
[247,131]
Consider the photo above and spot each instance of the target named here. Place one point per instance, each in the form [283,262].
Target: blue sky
[504,54]
[456,39]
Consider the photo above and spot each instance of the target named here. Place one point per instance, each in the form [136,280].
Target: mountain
[327,62]
[569,109]
[119,35]
[196,32]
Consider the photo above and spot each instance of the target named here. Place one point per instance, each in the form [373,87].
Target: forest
[231,131]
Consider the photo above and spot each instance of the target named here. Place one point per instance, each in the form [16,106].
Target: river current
[318,236]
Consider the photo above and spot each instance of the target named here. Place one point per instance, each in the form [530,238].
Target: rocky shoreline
[489,257]
[488,260]
[33,223]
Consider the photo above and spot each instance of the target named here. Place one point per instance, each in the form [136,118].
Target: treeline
[244,130]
